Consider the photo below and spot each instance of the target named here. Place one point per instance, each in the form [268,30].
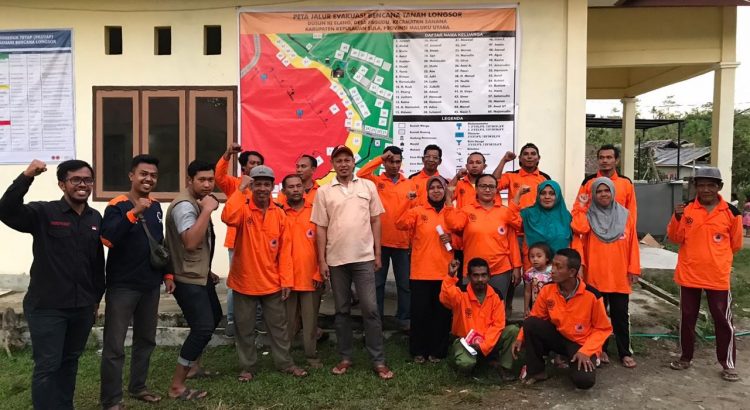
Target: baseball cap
[708,173]
[341,149]
[262,171]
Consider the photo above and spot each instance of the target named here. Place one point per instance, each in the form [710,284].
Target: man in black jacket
[67,276]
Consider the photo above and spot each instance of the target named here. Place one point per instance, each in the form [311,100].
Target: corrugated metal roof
[668,156]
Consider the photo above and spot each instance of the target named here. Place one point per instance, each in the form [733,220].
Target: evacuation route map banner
[313,80]
[36,96]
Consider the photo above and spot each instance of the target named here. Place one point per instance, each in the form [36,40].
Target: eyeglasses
[75,181]
[486,186]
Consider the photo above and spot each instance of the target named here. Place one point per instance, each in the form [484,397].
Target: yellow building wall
[551,85]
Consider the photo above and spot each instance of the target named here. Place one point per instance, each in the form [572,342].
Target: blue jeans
[58,337]
[401,269]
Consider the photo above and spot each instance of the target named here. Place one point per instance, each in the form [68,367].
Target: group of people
[457,252]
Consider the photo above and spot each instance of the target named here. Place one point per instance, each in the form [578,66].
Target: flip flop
[295,371]
[529,380]
[679,365]
[191,394]
[202,373]
[146,396]
[730,375]
[419,359]
[434,359]
[383,372]
[245,377]
[631,364]
[341,368]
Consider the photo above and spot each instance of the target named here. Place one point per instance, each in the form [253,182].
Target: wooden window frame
[187,149]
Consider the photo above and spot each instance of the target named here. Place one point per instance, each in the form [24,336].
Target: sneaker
[260,328]
[229,329]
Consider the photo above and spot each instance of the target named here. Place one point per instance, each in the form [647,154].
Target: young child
[540,256]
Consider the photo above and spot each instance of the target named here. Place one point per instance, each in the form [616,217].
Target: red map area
[285,110]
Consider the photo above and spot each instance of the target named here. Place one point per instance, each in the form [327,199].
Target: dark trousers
[431,324]
[58,337]
[202,311]
[541,337]
[720,306]
[617,305]
[362,274]
[401,269]
[124,305]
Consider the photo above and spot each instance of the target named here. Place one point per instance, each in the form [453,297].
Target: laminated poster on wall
[36,96]
[310,81]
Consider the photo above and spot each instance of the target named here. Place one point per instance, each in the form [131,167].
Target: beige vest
[188,266]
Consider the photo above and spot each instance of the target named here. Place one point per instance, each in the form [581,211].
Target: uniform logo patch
[249,221]
[689,220]
[516,185]
[310,234]
[59,223]
[424,218]
[579,328]
[462,191]
[718,237]
[472,217]
[381,186]
[550,304]
[467,312]
[273,243]
[159,217]
[501,230]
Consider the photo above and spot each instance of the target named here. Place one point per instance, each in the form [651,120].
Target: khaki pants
[274,315]
[302,308]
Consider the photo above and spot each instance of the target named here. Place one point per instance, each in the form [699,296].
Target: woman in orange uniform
[431,253]
[610,243]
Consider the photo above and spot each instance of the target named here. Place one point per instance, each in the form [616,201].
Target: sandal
[604,358]
[383,372]
[315,363]
[202,373]
[434,359]
[419,359]
[191,394]
[529,380]
[679,365]
[146,396]
[341,368]
[730,375]
[628,362]
[245,377]
[295,371]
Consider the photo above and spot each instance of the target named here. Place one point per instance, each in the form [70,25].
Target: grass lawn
[415,386]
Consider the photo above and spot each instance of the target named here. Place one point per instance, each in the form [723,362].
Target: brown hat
[341,149]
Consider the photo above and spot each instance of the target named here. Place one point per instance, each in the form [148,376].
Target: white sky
[695,91]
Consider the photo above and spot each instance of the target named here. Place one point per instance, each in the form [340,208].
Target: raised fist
[234,148]
[208,203]
[509,156]
[245,182]
[525,189]
[35,168]
[141,204]
[453,267]
[679,209]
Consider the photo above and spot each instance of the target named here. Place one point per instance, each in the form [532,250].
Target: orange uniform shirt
[487,318]
[624,191]
[395,200]
[300,252]
[487,233]
[309,196]
[429,258]
[581,319]
[708,242]
[256,266]
[607,264]
[228,184]
[420,185]
[514,180]
[466,193]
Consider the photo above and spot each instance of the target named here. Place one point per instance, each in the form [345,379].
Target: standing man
[397,195]
[305,166]
[67,276]
[528,175]
[608,157]
[465,180]
[256,275]
[709,232]
[228,184]
[132,283]
[431,159]
[191,242]
[301,253]
[347,214]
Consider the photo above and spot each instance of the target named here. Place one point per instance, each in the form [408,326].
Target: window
[211,40]
[162,41]
[174,124]
[113,40]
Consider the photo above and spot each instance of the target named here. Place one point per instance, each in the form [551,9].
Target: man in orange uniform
[568,318]
[256,275]
[613,264]
[301,253]
[709,232]
[305,169]
[466,179]
[397,195]
[481,310]
[608,157]
[528,175]
[431,159]
[228,184]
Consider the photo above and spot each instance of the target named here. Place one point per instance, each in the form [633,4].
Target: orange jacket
[624,191]
[708,242]
[420,185]
[607,264]
[300,252]
[514,180]
[429,258]
[256,266]
[488,234]
[487,318]
[228,184]
[309,196]
[395,199]
[582,319]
